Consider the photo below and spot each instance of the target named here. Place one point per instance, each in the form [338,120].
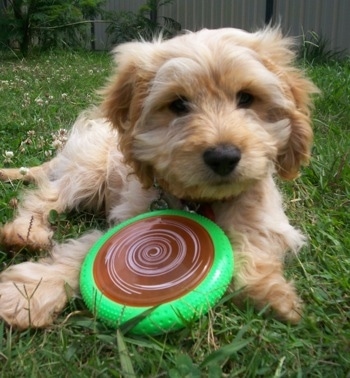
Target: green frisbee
[177,263]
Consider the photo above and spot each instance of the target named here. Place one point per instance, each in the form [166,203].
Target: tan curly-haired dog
[210,117]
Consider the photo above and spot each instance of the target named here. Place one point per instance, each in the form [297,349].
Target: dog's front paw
[273,291]
[286,303]
[30,304]
[27,233]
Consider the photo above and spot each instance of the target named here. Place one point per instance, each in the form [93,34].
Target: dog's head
[209,113]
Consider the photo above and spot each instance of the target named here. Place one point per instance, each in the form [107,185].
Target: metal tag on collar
[160,203]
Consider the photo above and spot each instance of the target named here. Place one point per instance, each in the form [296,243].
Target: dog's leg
[262,237]
[32,293]
[261,279]
[25,174]
[31,227]
[64,186]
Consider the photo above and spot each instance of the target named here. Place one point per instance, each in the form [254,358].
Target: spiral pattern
[153,261]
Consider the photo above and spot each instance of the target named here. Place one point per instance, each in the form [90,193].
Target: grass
[39,96]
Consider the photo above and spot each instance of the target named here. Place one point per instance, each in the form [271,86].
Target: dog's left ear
[278,54]
[297,151]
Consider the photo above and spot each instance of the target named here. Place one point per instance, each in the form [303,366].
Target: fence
[328,18]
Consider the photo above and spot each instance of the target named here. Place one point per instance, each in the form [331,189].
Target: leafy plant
[128,26]
[24,23]
[315,49]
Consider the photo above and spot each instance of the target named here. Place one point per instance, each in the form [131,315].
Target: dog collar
[166,201]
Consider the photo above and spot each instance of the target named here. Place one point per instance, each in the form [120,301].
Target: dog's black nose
[222,159]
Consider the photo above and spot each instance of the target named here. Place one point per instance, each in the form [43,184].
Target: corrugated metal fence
[328,18]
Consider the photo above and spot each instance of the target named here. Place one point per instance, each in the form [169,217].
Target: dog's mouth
[220,182]
[211,189]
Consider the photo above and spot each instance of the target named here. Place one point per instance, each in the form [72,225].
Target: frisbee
[174,263]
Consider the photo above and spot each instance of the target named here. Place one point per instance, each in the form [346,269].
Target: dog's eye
[244,99]
[179,106]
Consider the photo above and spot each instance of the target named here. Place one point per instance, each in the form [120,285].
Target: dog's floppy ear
[279,57]
[297,150]
[123,99]
[126,90]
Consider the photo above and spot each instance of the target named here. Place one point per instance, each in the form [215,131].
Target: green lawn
[43,94]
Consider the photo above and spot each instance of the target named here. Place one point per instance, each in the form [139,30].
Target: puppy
[205,120]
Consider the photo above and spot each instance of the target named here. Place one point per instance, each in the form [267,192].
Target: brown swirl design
[153,261]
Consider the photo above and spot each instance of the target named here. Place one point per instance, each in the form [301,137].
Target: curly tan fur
[169,105]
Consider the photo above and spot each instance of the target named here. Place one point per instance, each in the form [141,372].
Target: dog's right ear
[124,93]
[123,99]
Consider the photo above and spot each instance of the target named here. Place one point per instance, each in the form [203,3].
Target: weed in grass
[315,49]
[40,96]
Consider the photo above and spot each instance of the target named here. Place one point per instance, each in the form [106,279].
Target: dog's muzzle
[222,159]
